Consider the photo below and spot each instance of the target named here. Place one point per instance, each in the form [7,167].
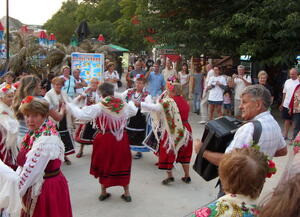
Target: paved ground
[150,198]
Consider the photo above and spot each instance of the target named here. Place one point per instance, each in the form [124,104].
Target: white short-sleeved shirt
[288,89]
[270,140]
[216,93]
[113,75]
[240,85]
[183,78]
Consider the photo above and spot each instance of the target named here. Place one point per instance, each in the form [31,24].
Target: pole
[7,30]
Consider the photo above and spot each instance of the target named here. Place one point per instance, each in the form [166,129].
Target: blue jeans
[196,101]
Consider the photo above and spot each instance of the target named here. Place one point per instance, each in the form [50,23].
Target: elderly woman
[242,173]
[55,98]
[111,75]
[171,128]
[42,185]
[8,128]
[262,80]
[111,157]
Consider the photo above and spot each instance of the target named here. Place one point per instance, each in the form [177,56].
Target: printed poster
[90,64]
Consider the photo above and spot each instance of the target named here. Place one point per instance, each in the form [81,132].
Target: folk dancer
[86,132]
[171,128]
[55,98]
[111,157]
[43,187]
[136,127]
[8,128]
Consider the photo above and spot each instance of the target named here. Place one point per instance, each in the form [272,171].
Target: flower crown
[28,99]
[271,165]
[172,81]
[7,89]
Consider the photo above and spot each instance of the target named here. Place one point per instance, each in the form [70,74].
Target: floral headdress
[28,99]
[271,165]
[172,81]
[7,89]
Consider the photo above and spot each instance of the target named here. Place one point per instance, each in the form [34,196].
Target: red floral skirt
[111,160]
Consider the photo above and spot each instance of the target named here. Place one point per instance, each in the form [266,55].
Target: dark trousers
[296,120]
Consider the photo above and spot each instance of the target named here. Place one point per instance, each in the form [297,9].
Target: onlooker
[197,81]
[184,79]
[138,69]
[156,82]
[240,81]
[69,86]
[262,80]
[204,101]
[128,77]
[111,75]
[242,173]
[216,87]
[227,106]
[288,90]
[119,67]
[169,71]
[294,109]
[9,79]
[80,83]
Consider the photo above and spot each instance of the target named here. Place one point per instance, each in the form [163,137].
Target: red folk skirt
[111,160]
[54,199]
[167,159]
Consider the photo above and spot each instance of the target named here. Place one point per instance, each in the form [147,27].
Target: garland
[48,128]
[131,92]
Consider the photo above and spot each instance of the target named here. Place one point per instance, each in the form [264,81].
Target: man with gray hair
[240,81]
[255,103]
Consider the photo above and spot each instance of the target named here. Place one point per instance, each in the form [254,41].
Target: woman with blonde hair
[43,187]
[262,80]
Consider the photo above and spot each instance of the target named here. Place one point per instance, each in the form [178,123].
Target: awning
[114,48]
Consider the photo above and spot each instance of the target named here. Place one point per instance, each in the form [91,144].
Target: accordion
[217,136]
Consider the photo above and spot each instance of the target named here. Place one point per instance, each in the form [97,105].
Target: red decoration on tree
[173,57]
[101,38]
[150,39]
[1,27]
[135,20]
[52,37]
[42,34]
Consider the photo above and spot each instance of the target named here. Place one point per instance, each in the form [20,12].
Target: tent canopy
[114,48]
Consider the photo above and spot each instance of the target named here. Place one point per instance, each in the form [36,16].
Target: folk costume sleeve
[131,109]
[150,107]
[87,113]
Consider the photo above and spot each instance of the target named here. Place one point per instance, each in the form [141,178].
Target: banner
[90,64]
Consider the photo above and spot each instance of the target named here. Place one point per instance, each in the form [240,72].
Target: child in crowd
[227,103]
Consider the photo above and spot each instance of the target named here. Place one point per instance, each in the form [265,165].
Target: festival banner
[90,64]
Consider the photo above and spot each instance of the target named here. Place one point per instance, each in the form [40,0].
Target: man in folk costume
[86,132]
[136,127]
[111,157]
[55,97]
[172,130]
[8,128]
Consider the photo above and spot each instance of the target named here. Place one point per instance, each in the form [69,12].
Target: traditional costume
[111,157]
[171,128]
[42,185]
[10,201]
[86,132]
[8,132]
[136,126]
[64,126]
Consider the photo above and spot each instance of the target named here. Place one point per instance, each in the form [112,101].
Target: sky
[31,11]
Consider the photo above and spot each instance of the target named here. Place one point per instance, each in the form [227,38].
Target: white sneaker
[202,122]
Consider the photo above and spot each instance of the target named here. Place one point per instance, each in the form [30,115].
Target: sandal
[79,155]
[126,198]
[67,161]
[103,197]
[138,155]
[167,180]
[187,180]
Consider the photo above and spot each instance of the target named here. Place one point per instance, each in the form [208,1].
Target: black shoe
[138,155]
[126,198]
[167,180]
[187,180]
[198,112]
[103,197]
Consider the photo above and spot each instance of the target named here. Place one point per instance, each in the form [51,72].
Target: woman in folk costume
[86,132]
[136,127]
[8,128]
[10,201]
[43,187]
[111,157]
[55,98]
[170,126]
